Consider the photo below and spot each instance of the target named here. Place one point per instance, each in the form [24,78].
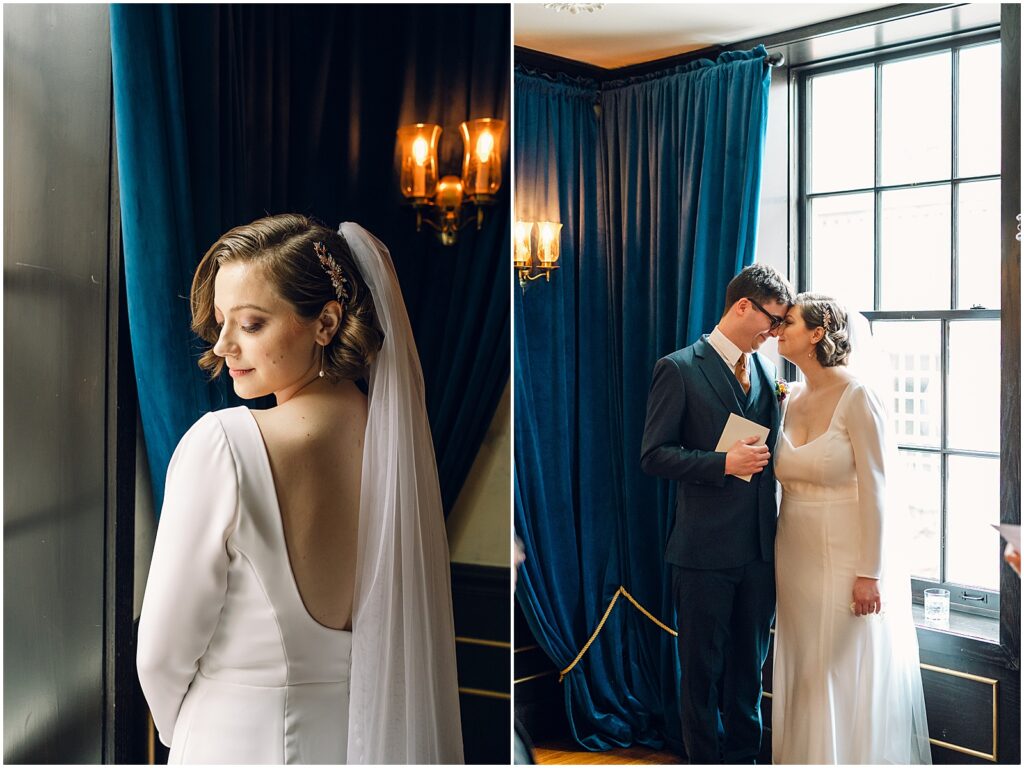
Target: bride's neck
[817,376]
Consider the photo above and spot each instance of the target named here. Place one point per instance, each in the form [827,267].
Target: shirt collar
[728,351]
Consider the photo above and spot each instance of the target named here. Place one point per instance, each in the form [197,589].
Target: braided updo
[283,247]
[821,311]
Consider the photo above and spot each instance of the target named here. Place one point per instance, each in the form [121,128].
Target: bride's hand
[866,597]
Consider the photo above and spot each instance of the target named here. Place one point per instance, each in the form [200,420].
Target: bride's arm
[865,422]
[188,574]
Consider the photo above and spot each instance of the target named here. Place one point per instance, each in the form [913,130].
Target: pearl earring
[322,361]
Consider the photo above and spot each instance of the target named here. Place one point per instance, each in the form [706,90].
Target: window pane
[915,248]
[916,119]
[915,399]
[972,546]
[977,205]
[842,139]
[974,385]
[922,486]
[978,111]
[842,248]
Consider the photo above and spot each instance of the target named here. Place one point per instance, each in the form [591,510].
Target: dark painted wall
[56,213]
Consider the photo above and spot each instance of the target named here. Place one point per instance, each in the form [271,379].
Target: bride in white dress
[846,678]
[298,607]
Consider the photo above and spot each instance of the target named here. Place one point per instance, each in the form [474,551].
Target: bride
[847,681]
[298,607]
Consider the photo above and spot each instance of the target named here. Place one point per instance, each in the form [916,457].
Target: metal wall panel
[56,211]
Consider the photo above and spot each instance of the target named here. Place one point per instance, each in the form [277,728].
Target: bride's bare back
[315,446]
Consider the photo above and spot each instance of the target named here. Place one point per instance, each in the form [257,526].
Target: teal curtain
[157,230]
[656,183]
[225,113]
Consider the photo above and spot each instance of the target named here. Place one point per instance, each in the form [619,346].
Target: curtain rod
[775,60]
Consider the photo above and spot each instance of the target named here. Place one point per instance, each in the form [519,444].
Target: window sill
[984,628]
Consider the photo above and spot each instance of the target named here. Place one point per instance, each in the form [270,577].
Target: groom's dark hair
[761,283]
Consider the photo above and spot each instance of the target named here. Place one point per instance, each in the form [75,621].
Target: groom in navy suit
[722,545]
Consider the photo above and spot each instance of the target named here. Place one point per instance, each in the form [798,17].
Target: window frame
[966,599]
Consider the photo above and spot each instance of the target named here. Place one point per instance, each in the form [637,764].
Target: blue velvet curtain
[656,182]
[227,113]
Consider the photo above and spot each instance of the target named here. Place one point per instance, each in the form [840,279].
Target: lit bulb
[522,257]
[419,150]
[547,235]
[484,146]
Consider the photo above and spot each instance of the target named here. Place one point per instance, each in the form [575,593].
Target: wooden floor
[568,752]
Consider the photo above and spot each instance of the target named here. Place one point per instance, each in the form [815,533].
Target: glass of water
[936,607]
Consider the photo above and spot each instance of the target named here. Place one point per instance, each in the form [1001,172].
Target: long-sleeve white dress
[233,666]
[846,689]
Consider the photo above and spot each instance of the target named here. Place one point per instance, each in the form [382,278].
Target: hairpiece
[333,271]
[826,320]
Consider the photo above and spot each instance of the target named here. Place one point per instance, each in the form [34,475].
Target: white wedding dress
[234,668]
[846,689]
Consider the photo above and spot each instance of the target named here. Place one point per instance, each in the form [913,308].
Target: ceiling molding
[891,26]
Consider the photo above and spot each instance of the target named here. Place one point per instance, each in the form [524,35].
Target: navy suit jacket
[721,521]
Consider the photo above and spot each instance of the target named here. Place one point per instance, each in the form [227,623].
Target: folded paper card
[738,428]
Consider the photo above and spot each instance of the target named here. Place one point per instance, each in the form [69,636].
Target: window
[899,205]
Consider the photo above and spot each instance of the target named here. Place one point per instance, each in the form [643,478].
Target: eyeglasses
[776,320]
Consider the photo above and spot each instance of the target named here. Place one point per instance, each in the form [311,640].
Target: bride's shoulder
[214,424]
[205,451]
[863,396]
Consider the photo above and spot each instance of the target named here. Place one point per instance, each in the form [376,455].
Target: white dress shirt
[728,351]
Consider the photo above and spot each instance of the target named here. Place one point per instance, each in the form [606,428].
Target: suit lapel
[714,370]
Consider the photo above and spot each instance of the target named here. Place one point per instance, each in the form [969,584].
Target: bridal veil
[404,705]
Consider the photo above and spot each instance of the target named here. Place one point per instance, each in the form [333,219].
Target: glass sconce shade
[418,147]
[524,231]
[481,164]
[548,242]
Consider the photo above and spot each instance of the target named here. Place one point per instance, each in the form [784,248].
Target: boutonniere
[781,390]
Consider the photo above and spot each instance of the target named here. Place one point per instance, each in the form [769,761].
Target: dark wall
[480,600]
[56,294]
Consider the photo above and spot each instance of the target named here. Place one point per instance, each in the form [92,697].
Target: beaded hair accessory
[826,320]
[333,271]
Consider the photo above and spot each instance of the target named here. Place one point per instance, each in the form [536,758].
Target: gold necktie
[741,373]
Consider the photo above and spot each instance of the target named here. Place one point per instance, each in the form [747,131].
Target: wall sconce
[440,203]
[537,248]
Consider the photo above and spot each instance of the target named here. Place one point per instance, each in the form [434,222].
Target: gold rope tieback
[600,625]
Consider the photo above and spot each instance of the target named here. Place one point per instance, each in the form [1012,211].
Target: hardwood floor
[568,752]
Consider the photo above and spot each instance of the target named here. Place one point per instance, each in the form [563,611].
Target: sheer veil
[404,703]
[869,363]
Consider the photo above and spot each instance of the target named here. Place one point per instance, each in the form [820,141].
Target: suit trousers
[724,618]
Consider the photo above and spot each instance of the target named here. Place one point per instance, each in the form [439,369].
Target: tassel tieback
[620,591]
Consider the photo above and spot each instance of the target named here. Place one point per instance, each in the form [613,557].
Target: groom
[722,546]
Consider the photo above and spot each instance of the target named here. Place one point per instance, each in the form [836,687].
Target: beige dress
[846,689]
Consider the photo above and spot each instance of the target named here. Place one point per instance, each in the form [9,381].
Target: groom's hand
[745,458]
